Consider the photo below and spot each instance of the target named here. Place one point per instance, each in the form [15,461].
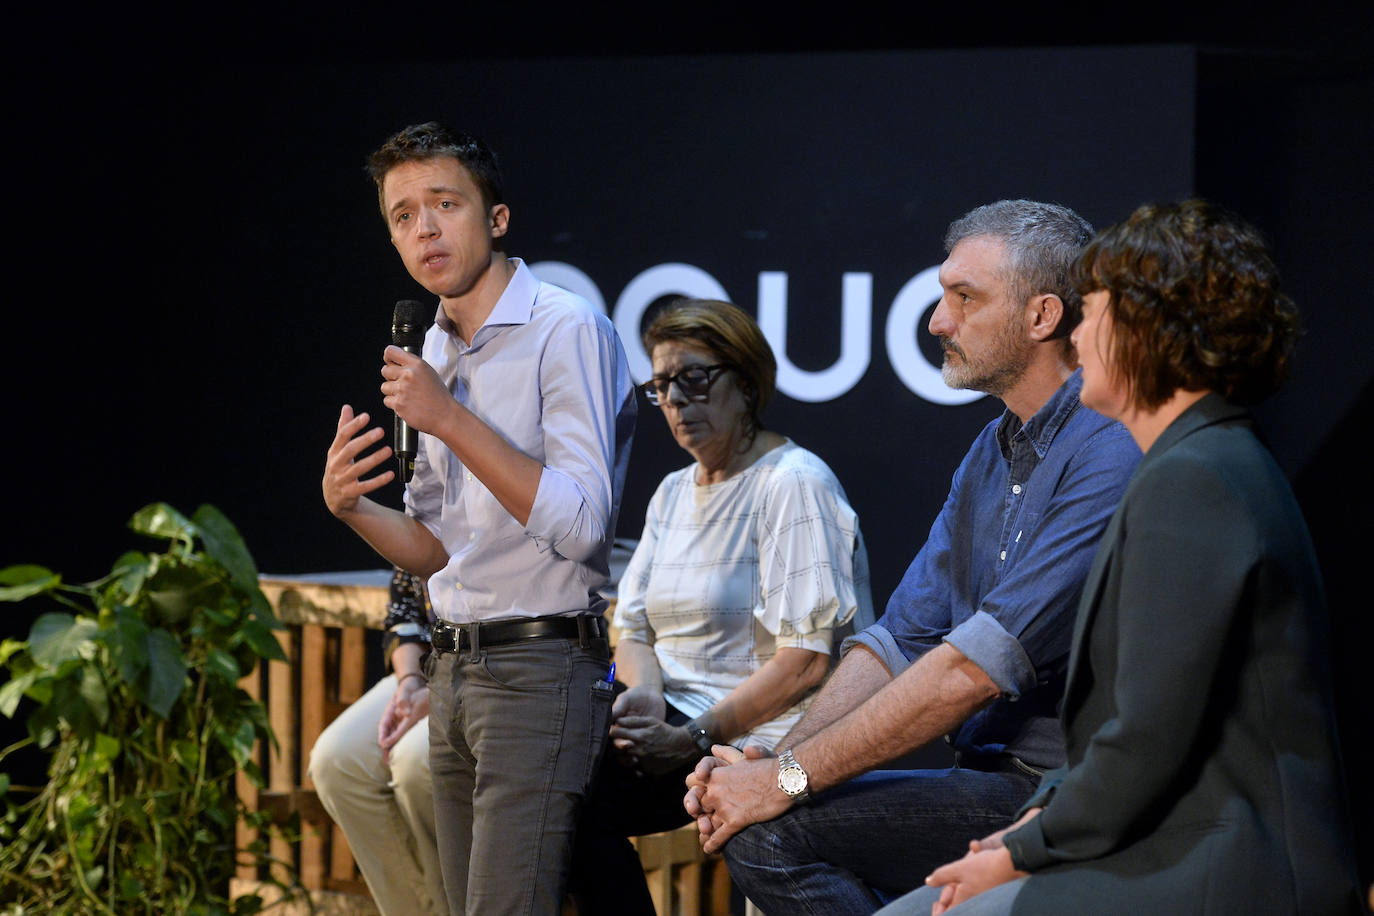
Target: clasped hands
[732,789]
[640,736]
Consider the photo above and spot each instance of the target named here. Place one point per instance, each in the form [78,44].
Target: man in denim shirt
[975,639]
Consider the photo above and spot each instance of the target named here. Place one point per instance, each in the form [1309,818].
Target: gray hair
[1042,240]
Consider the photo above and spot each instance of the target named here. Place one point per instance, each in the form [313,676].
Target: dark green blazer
[1203,772]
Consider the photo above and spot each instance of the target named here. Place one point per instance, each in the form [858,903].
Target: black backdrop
[201,277]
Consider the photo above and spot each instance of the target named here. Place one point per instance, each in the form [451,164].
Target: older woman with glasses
[1203,773]
[750,560]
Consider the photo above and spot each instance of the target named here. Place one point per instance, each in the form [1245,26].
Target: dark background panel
[199,275]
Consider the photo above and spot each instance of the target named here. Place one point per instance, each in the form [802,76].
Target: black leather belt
[449,637]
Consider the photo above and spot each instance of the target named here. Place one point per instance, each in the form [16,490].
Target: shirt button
[458,586]
[469,475]
[1016,488]
[472,535]
[1001,556]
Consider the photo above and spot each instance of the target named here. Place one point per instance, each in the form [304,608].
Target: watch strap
[787,762]
[700,737]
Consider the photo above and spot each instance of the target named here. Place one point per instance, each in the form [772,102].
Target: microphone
[407,332]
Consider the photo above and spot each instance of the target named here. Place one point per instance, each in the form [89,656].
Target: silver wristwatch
[792,778]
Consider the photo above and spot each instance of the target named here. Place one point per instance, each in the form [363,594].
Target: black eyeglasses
[694,382]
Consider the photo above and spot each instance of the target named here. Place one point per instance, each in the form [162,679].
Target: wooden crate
[325,645]
[327,617]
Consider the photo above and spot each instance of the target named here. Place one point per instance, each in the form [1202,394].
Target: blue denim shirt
[1000,575]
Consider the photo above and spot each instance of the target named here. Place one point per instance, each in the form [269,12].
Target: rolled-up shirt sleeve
[983,640]
[918,616]
[1025,621]
[587,402]
[880,642]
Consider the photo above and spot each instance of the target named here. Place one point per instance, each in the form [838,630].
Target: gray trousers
[516,734]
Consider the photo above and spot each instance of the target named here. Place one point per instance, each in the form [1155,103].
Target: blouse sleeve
[813,570]
[631,618]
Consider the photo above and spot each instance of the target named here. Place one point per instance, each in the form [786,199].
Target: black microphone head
[408,325]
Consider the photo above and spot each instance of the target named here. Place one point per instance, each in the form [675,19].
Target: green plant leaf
[10,646]
[173,588]
[13,691]
[254,773]
[220,617]
[42,724]
[104,753]
[139,812]
[258,635]
[69,703]
[224,544]
[186,753]
[129,645]
[129,571]
[160,520]
[165,678]
[247,904]
[239,741]
[145,856]
[20,582]
[58,637]
[94,693]
[221,665]
[261,609]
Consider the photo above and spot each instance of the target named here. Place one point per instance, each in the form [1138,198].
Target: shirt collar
[1044,425]
[514,307]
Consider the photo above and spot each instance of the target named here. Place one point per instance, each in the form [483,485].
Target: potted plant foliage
[132,691]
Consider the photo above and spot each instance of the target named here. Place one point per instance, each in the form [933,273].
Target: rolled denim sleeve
[878,640]
[1035,601]
[985,642]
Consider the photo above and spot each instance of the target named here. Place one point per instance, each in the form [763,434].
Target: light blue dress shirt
[547,373]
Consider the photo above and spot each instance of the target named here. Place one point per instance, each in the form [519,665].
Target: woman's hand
[408,705]
[653,745]
[642,738]
[640,700]
[970,876]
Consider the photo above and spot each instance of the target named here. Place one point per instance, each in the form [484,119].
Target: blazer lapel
[1209,410]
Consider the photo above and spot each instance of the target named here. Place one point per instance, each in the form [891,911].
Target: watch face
[792,780]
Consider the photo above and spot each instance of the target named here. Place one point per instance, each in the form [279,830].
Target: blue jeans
[516,733]
[872,839]
[994,902]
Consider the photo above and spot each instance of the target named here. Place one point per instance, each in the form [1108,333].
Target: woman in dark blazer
[1203,773]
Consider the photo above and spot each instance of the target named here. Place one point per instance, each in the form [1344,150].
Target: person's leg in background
[358,791]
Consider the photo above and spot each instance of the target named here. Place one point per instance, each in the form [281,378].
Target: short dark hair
[433,140]
[1042,241]
[731,334]
[1195,303]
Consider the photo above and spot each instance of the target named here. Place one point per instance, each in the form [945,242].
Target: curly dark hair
[433,140]
[1195,303]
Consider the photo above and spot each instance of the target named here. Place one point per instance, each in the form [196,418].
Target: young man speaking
[525,407]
